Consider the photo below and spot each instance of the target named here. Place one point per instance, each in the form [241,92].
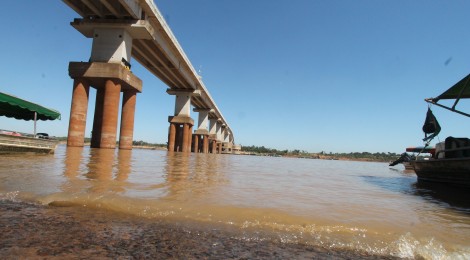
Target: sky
[332,76]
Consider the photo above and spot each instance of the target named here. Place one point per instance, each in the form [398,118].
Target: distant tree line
[142,143]
[367,156]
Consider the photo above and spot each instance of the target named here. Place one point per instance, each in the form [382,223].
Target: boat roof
[11,106]
[420,149]
[458,91]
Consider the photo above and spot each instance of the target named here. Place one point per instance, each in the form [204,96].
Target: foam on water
[258,224]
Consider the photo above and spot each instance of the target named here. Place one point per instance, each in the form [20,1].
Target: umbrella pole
[35,117]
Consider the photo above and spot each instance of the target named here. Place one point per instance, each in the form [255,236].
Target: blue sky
[334,76]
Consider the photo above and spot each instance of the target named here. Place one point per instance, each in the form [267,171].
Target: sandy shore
[38,232]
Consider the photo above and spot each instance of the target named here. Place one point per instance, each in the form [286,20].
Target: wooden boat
[454,170]
[12,141]
[450,162]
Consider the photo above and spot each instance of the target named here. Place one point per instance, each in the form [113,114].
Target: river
[362,206]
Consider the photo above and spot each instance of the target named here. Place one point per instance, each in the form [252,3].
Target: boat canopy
[11,106]
[457,92]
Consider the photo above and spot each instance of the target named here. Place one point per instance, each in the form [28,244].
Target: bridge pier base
[180,133]
[109,79]
[200,143]
[212,144]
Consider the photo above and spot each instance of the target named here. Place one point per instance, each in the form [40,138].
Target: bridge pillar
[78,113]
[181,122]
[127,119]
[220,127]
[195,148]
[213,135]
[227,144]
[171,137]
[97,119]
[112,95]
[205,144]
[201,132]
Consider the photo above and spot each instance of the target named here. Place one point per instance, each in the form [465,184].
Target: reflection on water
[397,183]
[355,205]
[453,197]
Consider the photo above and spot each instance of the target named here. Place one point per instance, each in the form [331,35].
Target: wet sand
[47,232]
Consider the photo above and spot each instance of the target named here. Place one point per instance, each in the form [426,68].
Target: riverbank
[34,231]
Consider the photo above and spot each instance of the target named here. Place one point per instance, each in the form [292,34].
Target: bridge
[125,29]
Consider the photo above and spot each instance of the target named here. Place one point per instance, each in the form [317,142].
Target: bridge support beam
[109,79]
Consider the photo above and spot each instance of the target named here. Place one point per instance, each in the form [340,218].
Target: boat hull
[23,144]
[408,166]
[454,171]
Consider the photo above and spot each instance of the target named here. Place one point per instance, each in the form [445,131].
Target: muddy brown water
[345,206]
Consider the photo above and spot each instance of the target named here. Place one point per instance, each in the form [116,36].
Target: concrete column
[190,137]
[205,146]
[219,130]
[172,138]
[78,112]
[112,94]
[203,118]
[111,45]
[219,148]
[127,119]
[179,138]
[213,126]
[196,143]
[185,144]
[183,104]
[214,146]
[97,119]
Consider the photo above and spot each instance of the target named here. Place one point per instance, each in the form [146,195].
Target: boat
[450,161]
[12,141]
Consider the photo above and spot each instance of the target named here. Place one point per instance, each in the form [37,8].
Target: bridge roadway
[154,46]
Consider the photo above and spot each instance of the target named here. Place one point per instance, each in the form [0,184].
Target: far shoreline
[315,156]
